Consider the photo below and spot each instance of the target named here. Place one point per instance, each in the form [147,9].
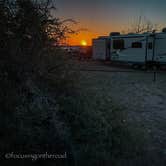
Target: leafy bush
[29,87]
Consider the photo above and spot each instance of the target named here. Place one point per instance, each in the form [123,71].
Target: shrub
[29,88]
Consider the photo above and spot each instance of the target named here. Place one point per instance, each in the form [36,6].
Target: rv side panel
[160,48]
[130,49]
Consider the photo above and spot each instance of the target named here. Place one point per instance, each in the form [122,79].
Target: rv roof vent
[164,30]
[131,33]
[103,37]
[114,33]
[145,33]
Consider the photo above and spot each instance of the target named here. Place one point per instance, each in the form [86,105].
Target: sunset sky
[100,17]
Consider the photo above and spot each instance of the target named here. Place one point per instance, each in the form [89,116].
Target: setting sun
[81,38]
[84,43]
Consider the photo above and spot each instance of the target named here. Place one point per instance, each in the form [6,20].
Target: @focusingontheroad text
[35,157]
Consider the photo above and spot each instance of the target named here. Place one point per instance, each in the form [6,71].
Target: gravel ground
[143,99]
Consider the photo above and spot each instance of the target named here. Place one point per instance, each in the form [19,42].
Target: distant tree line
[141,24]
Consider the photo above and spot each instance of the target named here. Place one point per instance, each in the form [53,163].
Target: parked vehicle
[147,48]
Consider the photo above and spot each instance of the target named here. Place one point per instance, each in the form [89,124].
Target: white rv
[132,48]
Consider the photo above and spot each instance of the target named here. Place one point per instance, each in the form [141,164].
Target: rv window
[150,45]
[118,44]
[137,45]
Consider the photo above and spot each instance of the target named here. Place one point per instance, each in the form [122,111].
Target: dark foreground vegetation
[42,108]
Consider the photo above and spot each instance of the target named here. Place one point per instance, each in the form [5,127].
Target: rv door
[150,49]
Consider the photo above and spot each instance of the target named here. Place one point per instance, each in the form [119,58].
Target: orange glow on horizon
[83,39]
[93,29]
[75,39]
